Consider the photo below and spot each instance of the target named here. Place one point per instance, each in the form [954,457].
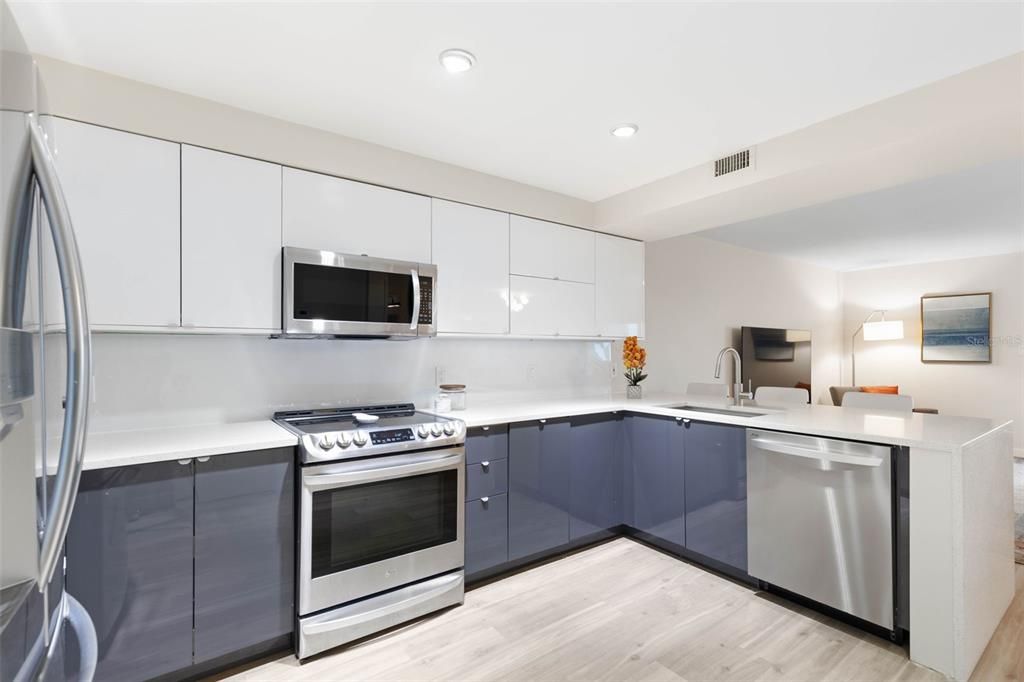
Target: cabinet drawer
[487,443]
[486,533]
[483,480]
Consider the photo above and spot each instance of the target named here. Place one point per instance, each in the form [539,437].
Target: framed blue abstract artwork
[956,328]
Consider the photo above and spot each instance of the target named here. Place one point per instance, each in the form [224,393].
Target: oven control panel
[391,436]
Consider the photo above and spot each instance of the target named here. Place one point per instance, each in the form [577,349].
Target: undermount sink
[732,412]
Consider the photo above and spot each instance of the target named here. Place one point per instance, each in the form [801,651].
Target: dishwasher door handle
[823,455]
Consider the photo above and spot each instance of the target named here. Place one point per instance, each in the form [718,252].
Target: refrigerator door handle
[79,355]
[42,651]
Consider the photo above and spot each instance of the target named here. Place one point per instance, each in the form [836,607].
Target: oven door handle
[419,465]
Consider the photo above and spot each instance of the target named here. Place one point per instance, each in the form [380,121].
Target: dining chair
[879,401]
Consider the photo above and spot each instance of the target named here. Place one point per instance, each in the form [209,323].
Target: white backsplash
[159,380]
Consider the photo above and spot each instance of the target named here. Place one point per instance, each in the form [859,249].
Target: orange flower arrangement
[634,357]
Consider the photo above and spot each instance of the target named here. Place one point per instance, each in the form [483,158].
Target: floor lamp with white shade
[878,330]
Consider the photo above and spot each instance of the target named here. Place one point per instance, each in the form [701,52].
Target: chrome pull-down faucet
[737,388]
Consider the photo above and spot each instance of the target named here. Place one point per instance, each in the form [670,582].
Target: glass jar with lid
[456,394]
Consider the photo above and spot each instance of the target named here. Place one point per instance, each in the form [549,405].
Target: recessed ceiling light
[457,61]
[625,130]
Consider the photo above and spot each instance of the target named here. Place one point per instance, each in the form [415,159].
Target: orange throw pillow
[893,390]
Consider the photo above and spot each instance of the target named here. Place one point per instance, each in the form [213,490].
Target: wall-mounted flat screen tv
[776,357]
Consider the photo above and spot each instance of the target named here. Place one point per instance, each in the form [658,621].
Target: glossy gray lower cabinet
[654,476]
[486,534]
[595,474]
[716,492]
[129,562]
[486,443]
[23,629]
[538,492]
[244,550]
[14,640]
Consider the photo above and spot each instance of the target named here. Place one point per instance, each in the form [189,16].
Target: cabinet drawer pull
[486,428]
[543,421]
[202,459]
[183,462]
[485,500]
[485,464]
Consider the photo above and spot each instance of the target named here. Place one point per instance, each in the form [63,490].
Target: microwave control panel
[426,300]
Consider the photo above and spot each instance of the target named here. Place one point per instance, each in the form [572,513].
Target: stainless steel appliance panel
[36,509]
[334,294]
[819,515]
[352,621]
[350,571]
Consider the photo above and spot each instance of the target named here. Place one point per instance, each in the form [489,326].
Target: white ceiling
[701,80]
[975,212]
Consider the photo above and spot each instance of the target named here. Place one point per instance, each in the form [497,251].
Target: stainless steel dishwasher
[819,521]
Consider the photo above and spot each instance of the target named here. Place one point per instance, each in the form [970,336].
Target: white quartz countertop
[930,431]
[122,448]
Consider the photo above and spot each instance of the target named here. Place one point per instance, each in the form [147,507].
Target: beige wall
[987,390]
[104,99]
[701,292]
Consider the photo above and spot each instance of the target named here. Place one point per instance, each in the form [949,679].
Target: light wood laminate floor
[625,611]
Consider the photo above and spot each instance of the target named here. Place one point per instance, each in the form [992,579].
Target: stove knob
[449,428]
[458,428]
[326,442]
[421,431]
[344,440]
[435,430]
[359,439]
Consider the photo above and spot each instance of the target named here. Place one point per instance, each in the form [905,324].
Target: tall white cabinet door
[620,286]
[230,241]
[543,249]
[123,194]
[331,214]
[547,307]
[470,247]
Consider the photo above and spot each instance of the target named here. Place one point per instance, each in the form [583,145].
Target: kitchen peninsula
[960,512]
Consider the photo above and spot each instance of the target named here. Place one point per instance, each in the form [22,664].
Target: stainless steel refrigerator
[40,458]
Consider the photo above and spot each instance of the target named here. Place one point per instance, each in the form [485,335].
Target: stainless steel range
[381,528]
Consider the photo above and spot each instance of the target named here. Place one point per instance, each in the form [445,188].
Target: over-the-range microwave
[328,294]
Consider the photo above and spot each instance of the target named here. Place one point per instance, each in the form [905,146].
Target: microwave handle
[414,323]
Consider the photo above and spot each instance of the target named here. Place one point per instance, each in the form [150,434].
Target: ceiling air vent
[732,163]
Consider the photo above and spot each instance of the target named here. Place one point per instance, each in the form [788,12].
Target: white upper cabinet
[547,307]
[122,192]
[543,249]
[620,286]
[470,247]
[230,241]
[332,214]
